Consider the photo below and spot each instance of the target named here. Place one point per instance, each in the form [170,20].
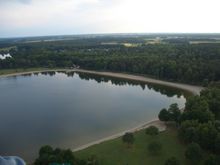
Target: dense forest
[173,58]
[199,125]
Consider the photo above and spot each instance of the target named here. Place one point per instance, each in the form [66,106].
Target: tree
[154,147]
[174,112]
[188,131]
[92,160]
[212,160]
[49,156]
[196,103]
[172,161]
[217,125]
[217,144]
[152,130]
[68,157]
[212,96]
[207,135]
[164,115]
[201,116]
[193,152]
[191,135]
[46,150]
[128,138]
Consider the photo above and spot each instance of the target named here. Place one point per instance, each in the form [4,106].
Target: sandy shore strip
[195,90]
[157,123]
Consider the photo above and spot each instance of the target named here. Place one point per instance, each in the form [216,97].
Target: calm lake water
[69,110]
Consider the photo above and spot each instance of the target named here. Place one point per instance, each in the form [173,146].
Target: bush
[152,130]
[193,152]
[164,115]
[49,156]
[172,161]
[128,138]
[211,160]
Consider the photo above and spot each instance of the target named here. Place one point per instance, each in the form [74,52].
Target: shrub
[152,130]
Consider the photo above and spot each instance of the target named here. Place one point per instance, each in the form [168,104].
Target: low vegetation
[117,153]
[50,156]
[152,130]
[172,161]
[128,138]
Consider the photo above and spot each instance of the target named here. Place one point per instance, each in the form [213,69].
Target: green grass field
[114,152]
[10,71]
[20,70]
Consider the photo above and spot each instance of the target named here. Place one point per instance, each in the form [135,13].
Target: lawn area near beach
[19,70]
[117,153]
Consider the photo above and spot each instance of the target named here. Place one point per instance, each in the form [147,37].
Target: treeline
[196,63]
[57,156]
[199,125]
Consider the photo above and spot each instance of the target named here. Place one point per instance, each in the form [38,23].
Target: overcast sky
[55,17]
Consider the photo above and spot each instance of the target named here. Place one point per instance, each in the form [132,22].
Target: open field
[15,71]
[115,152]
[205,42]
[7,48]
[157,123]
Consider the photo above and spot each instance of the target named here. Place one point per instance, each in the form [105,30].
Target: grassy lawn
[9,71]
[114,152]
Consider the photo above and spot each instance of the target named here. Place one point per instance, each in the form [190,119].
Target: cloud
[15,1]
[46,17]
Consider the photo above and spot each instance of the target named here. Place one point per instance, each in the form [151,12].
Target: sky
[62,17]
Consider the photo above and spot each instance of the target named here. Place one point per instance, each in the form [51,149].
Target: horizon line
[119,33]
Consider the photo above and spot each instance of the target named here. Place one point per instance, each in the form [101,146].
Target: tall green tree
[152,130]
[128,138]
[193,153]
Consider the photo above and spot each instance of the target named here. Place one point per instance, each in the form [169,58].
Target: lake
[68,110]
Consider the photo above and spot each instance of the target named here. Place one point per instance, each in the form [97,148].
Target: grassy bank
[20,70]
[115,152]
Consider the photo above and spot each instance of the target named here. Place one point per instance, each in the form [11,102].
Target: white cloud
[41,17]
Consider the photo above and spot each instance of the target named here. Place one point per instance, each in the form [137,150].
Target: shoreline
[157,123]
[194,90]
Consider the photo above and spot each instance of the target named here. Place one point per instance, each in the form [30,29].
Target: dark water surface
[69,110]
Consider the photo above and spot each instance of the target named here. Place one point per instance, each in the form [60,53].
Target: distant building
[75,66]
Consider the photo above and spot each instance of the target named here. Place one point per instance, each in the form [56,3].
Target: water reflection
[50,73]
[69,109]
[168,91]
[164,90]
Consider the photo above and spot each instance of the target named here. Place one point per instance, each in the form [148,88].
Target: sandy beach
[157,123]
[195,90]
